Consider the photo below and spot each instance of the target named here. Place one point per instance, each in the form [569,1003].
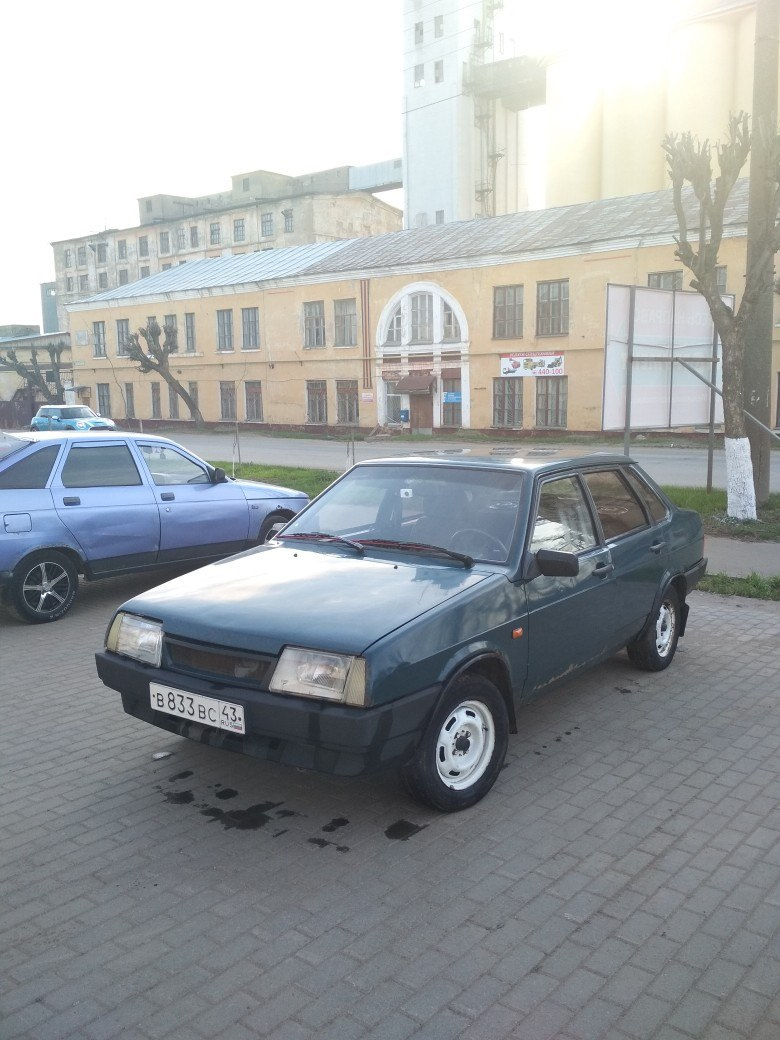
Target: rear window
[617,507]
[33,471]
[100,466]
[9,443]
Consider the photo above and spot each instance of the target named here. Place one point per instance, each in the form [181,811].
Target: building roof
[603,224]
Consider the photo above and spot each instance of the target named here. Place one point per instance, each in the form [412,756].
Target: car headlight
[135,637]
[80,424]
[311,673]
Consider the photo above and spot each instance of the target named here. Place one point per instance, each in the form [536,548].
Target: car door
[571,620]
[198,518]
[101,497]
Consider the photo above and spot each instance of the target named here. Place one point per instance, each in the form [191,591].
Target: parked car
[69,417]
[404,617]
[110,503]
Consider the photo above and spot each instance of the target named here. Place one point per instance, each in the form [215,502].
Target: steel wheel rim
[664,629]
[465,745]
[52,583]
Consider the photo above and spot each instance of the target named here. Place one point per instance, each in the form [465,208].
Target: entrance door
[421,413]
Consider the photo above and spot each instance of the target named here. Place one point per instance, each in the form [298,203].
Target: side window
[168,466]
[563,520]
[617,507]
[654,505]
[31,472]
[106,465]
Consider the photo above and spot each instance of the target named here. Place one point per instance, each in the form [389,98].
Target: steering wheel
[482,539]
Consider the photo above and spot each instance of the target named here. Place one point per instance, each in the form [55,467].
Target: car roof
[92,436]
[531,460]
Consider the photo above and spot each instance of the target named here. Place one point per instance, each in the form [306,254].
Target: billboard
[529,364]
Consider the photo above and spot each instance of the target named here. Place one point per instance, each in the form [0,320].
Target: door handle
[167,496]
[656,547]
[71,500]
[601,570]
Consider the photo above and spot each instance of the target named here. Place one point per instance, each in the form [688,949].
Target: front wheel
[44,587]
[273,522]
[463,749]
[654,651]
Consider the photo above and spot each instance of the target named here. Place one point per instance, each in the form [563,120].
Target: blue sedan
[111,503]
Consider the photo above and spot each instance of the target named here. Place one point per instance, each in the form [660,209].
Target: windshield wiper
[421,547]
[319,536]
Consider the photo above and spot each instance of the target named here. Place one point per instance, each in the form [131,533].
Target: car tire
[463,748]
[653,651]
[269,526]
[44,587]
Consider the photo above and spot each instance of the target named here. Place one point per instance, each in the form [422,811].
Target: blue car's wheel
[43,587]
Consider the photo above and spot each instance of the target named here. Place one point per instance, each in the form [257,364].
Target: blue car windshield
[462,509]
[10,443]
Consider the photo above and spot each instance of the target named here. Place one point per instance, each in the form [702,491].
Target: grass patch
[311,481]
[712,507]
[753,587]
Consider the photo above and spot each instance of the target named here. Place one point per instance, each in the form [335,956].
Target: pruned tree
[155,357]
[701,228]
[46,380]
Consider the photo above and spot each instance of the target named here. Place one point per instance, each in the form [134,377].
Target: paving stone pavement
[621,882]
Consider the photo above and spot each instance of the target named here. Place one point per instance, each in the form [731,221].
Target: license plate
[206,710]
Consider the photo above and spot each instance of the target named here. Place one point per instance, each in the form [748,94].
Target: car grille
[243,669]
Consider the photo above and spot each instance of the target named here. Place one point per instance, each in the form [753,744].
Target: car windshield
[461,509]
[10,442]
[78,412]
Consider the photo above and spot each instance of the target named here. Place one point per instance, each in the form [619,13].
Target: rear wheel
[44,587]
[463,749]
[654,650]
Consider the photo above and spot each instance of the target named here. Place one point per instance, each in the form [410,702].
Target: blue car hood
[254,489]
[314,597]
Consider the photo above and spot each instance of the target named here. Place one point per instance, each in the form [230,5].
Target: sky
[103,104]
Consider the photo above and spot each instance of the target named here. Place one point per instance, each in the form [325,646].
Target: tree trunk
[740,492]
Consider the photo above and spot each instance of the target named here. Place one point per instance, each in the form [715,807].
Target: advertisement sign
[528,364]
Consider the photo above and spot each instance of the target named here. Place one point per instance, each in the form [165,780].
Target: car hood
[254,489]
[316,597]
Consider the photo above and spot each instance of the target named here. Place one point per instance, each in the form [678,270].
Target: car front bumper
[328,738]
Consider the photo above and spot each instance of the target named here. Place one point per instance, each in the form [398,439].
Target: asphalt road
[683,466]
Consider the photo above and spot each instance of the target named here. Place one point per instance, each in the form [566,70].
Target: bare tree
[155,357]
[36,377]
[700,236]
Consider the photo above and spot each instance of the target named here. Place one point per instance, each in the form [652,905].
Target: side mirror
[556,564]
[219,476]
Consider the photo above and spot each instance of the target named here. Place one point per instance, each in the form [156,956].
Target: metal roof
[576,228]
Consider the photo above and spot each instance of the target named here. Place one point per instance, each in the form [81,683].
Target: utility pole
[757,368]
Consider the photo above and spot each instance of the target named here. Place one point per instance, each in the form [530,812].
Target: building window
[81,256]
[665,280]
[288,220]
[418,33]
[104,400]
[439,216]
[189,333]
[239,230]
[345,317]
[451,413]
[167,267]
[450,332]
[156,412]
[393,403]
[121,249]
[266,224]
[250,328]
[422,317]
[68,284]
[419,75]
[129,401]
[508,312]
[227,401]
[215,234]
[144,272]
[83,283]
[438,72]
[508,403]
[720,278]
[225,330]
[99,338]
[194,236]
[123,277]
[552,308]
[253,390]
[551,401]
[165,242]
[171,330]
[102,280]
[68,257]
[102,253]
[314,325]
[316,401]
[347,402]
[173,403]
[122,336]
[143,245]
[438,26]
[395,326]
[181,238]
